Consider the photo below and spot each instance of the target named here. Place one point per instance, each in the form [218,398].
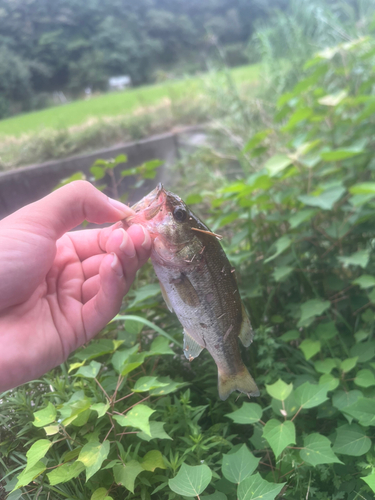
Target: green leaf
[100,494]
[312,308]
[193,199]
[333,99]
[330,381]
[256,488]
[36,452]
[370,481]
[127,474]
[50,430]
[365,378]
[363,188]
[364,281]
[100,408]
[239,465]
[144,293]
[281,244]
[341,154]
[310,347]
[156,432]
[97,172]
[145,384]
[30,474]
[170,386]
[153,460]
[325,366]
[348,364]
[359,258]
[317,450]
[92,456]
[97,348]
[342,400]
[286,408]
[309,395]
[65,472]
[301,216]
[279,435]
[90,371]
[282,272]
[257,139]
[325,200]
[249,413]
[160,346]
[45,416]
[365,351]
[191,481]
[277,164]
[279,390]
[351,440]
[362,410]
[290,335]
[137,417]
[217,495]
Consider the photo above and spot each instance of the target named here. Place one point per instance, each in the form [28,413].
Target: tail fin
[241,381]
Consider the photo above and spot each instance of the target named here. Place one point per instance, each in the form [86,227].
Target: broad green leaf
[326,331]
[281,244]
[96,348]
[310,347]
[74,366]
[325,366]
[45,416]
[100,408]
[92,456]
[156,432]
[317,450]
[364,281]
[160,346]
[279,435]
[249,413]
[333,99]
[362,410]
[138,417]
[325,200]
[65,472]
[239,465]
[257,488]
[191,481]
[359,258]
[341,154]
[50,430]
[120,358]
[277,164]
[348,364]
[312,308]
[309,395]
[365,378]
[330,381]
[361,334]
[28,475]
[363,188]
[282,272]
[127,474]
[153,460]
[299,115]
[144,293]
[217,495]
[290,335]
[351,440]
[285,408]
[342,400]
[36,452]
[97,172]
[365,351]
[370,481]
[279,390]
[145,384]
[133,362]
[256,140]
[90,371]
[100,494]
[77,409]
[170,386]
[301,216]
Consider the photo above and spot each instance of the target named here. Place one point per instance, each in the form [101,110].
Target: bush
[301,233]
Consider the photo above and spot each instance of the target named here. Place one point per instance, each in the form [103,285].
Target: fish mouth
[150,205]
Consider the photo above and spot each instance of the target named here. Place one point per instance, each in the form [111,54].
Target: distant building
[119,82]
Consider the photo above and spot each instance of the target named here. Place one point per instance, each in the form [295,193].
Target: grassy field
[111,104]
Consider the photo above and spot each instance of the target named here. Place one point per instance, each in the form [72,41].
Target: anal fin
[165,296]
[191,347]
[246,332]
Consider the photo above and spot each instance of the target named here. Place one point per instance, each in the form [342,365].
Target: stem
[294,416]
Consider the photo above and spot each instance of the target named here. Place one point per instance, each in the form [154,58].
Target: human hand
[59,289]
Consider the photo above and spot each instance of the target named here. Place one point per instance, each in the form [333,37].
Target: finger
[91,266]
[89,242]
[99,310]
[90,288]
[69,206]
[122,245]
[142,242]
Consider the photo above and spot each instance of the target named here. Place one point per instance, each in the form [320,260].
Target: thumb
[69,206]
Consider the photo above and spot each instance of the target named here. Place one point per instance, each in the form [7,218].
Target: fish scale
[198,284]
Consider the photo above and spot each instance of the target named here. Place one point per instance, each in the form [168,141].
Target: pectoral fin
[246,332]
[191,347]
[165,297]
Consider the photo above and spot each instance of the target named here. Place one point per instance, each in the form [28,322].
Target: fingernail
[126,245]
[147,239]
[126,211]
[116,266]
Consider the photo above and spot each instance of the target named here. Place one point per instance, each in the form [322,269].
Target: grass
[111,104]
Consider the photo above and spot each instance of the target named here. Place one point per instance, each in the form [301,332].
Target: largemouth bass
[198,283]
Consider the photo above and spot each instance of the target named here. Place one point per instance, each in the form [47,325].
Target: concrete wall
[25,185]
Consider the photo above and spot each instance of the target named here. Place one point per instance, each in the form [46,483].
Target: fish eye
[179,214]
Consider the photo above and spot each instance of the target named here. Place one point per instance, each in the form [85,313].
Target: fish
[198,283]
